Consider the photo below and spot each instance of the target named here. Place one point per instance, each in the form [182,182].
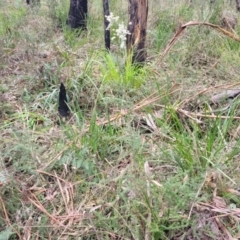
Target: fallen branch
[195,115]
[231,93]
[207,90]
[194,23]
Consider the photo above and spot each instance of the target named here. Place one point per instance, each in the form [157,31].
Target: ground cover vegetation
[146,153]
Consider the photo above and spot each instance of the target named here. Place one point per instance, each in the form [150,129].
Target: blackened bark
[106,23]
[136,40]
[238,5]
[34,2]
[63,108]
[78,14]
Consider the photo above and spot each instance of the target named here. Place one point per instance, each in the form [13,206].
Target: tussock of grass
[145,154]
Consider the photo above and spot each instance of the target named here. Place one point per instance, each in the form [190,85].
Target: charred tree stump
[106,24]
[78,14]
[136,39]
[33,2]
[238,5]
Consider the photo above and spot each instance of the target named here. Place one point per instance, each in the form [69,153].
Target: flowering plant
[119,31]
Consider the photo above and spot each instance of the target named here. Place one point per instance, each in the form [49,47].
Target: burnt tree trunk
[34,2]
[137,26]
[78,14]
[106,24]
[238,5]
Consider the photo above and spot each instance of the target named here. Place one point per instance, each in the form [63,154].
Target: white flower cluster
[111,19]
[121,32]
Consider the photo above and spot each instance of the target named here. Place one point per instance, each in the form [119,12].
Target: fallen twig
[194,23]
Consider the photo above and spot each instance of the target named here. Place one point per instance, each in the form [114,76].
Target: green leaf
[6,234]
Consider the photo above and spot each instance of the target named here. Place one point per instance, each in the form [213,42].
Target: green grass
[97,178]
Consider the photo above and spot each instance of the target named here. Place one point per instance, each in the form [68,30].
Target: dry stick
[223,228]
[207,90]
[225,212]
[137,107]
[51,175]
[229,93]
[194,23]
[41,208]
[186,113]
[68,217]
[171,43]
[148,97]
[5,212]
[231,214]
[154,99]
[60,187]
[209,116]
[194,115]
[62,193]
[54,175]
[155,92]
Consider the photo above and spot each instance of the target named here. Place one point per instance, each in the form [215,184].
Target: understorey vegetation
[137,152]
